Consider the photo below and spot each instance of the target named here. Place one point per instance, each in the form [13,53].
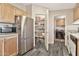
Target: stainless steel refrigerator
[24,28]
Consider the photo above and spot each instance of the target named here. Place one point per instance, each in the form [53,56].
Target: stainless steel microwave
[7,29]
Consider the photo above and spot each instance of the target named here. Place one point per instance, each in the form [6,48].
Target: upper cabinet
[1,20]
[19,12]
[8,12]
[60,22]
[76,12]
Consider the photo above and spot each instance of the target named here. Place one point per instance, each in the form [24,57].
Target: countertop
[75,34]
[3,35]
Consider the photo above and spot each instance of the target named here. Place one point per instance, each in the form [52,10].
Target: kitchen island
[8,44]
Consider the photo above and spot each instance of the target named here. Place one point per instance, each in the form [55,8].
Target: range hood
[76,22]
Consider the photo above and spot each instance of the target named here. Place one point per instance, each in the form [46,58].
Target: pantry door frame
[46,31]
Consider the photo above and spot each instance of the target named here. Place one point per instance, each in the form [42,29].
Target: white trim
[65,32]
[34,31]
[47,34]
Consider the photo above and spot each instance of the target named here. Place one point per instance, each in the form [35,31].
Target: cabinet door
[19,12]
[10,46]
[76,13]
[1,12]
[8,13]
[5,12]
[14,46]
[60,22]
[24,13]
[1,46]
[73,48]
[11,14]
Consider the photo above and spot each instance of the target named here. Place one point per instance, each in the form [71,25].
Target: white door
[47,30]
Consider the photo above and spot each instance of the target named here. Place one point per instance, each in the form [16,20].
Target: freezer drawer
[26,45]
[23,47]
[29,44]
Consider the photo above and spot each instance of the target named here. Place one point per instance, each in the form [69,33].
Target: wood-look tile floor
[56,49]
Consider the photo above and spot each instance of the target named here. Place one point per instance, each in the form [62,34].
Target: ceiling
[57,6]
[52,6]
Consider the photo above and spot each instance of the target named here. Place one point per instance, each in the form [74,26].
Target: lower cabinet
[73,45]
[1,46]
[8,46]
[72,48]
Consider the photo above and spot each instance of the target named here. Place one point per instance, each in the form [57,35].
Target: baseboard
[51,42]
[14,54]
[25,52]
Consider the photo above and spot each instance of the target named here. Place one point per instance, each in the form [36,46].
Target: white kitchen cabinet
[76,13]
[72,48]
[73,44]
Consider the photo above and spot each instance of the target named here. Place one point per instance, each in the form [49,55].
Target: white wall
[29,10]
[51,27]
[69,18]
